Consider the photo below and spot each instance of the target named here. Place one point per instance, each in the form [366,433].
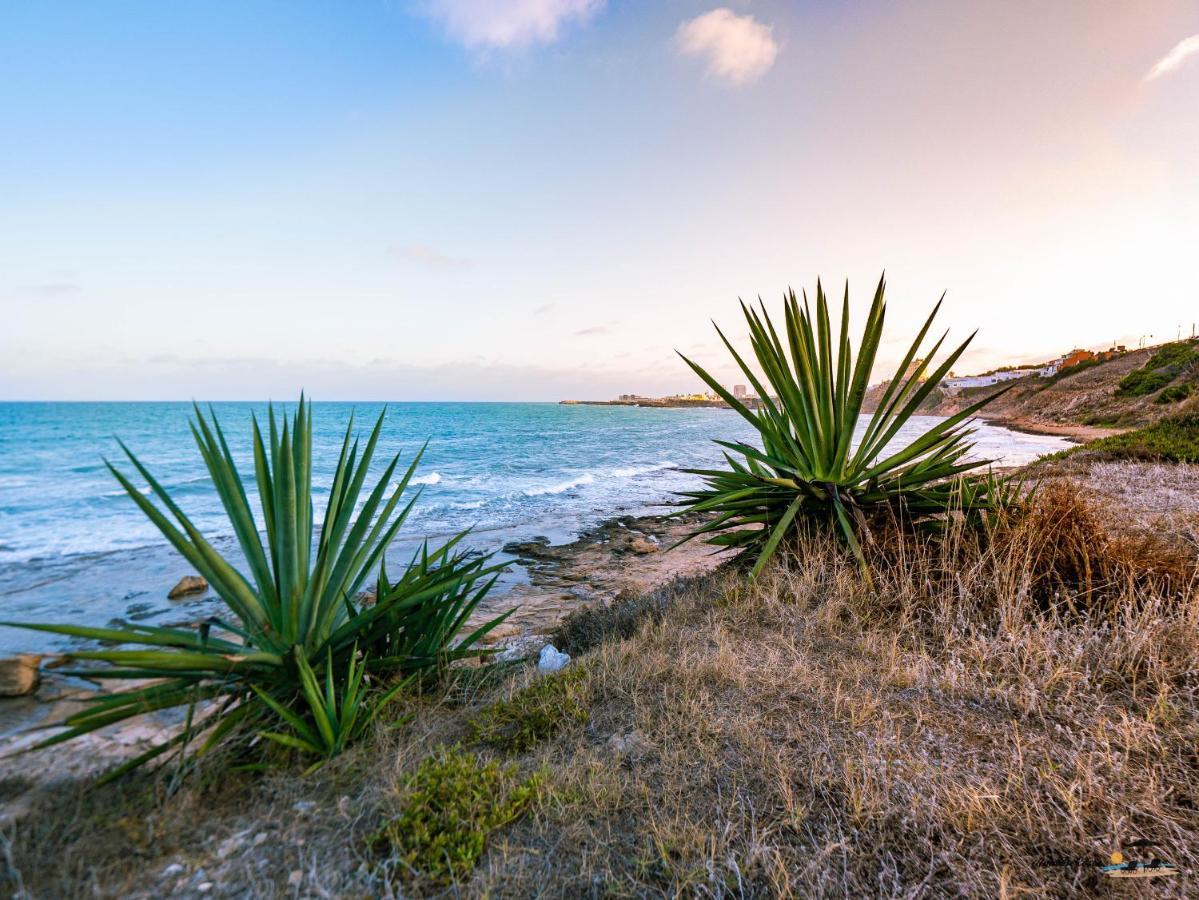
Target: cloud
[499,24]
[1175,58]
[545,308]
[739,49]
[598,329]
[429,256]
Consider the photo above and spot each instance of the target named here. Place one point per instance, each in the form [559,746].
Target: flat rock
[501,632]
[188,584]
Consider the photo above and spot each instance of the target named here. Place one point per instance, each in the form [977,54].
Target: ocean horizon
[74,547]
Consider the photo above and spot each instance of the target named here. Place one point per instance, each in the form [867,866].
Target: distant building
[739,391]
[969,381]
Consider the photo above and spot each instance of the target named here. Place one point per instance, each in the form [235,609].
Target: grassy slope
[946,733]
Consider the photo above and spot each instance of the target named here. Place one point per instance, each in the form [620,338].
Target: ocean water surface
[74,547]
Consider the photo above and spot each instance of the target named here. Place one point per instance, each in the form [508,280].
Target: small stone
[19,675]
[260,839]
[303,806]
[632,742]
[188,584]
[641,546]
[172,871]
[204,887]
[551,659]
[229,845]
[295,878]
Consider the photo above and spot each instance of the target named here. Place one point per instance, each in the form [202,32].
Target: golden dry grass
[993,718]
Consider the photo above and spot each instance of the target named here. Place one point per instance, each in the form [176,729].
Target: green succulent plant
[297,617]
[812,464]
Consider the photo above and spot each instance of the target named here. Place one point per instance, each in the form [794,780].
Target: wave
[431,478]
[120,492]
[634,471]
[562,487]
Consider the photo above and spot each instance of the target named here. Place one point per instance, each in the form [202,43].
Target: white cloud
[739,49]
[1175,58]
[491,24]
[430,256]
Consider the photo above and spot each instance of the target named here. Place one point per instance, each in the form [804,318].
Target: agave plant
[809,467]
[296,617]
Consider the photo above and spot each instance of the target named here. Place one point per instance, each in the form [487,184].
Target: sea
[75,548]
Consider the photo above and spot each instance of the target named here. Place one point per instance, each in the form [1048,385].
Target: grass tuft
[533,714]
[448,808]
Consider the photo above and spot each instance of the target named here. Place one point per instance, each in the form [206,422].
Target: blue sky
[476,199]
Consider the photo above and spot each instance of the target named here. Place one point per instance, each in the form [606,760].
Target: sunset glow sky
[536,199]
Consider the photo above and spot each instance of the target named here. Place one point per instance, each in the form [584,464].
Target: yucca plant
[296,617]
[808,467]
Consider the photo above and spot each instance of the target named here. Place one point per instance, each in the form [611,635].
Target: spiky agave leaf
[811,394]
[294,611]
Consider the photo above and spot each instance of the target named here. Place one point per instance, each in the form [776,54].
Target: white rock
[294,879]
[171,871]
[551,659]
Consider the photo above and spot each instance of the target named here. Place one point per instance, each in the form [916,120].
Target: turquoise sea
[73,547]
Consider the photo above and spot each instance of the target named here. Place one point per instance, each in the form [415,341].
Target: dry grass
[994,718]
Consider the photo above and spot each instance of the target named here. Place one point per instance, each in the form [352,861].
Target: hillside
[1131,390]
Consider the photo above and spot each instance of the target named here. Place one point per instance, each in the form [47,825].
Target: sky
[542,199]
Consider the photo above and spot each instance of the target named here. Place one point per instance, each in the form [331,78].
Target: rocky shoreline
[620,556]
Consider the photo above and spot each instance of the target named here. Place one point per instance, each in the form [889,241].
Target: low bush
[1176,393]
[1164,366]
[534,713]
[447,809]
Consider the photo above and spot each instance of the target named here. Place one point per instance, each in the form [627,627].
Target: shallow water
[74,547]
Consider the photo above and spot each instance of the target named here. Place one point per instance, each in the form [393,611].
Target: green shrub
[1164,366]
[1143,382]
[296,625]
[533,714]
[448,808]
[1174,394]
[807,467]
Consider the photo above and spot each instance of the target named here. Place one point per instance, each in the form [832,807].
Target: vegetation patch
[1163,367]
[1175,393]
[448,808]
[518,723]
[1175,439]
